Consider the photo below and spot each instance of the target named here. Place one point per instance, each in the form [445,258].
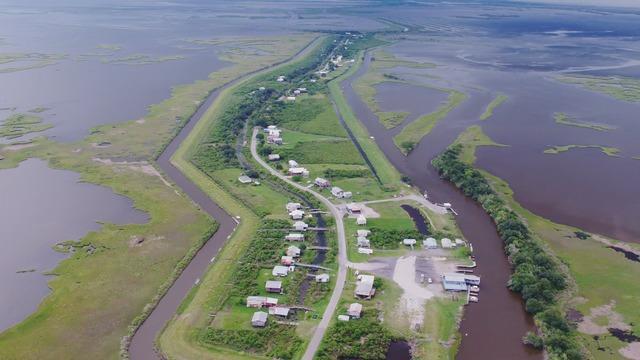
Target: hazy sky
[627,3]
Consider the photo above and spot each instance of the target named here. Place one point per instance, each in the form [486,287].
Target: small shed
[244,179]
[293,251]
[361,220]
[279,311]
[259,319]
[366,251]
[347,194]
[280,270]
[293,164]
[409,242]
[337,192]
[300,226]
[322,278]
[274,157]
[291,98]
[355,310]
[430,243]
[294,237]
[447,243]
[287,260]
[297,214]
[273,286]
[343,317]
[363,242]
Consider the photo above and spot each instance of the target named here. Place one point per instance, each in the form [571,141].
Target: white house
[297,214]
[261,301]
[365,290]
[244,179]
[280,270]
[279,311]
[322,183]
[293,251]
[259,319]
[447,243]
[275,140]
[343,317]
[347,194]
[355,310]
[293,164]
[286,260]
[365,251]
[273,157]
[281,78]
[366,278]
[363,242]
[363,232]
[361,220]
[298,171]
[294,237]
[290,98]
[273,286]
[293,206]
[337,192]
[322,278]
[300,226]
[430,243]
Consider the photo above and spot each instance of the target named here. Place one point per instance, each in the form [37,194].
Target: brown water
[492,328]
[66,210]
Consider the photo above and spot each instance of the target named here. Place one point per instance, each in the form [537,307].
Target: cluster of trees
[364,339]
[275,341]
[381,238]
[263,249]
[536,274]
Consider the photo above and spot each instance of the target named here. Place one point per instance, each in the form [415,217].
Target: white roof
[322,277]
[279,310]
[409,241]
[244,179]
[363,232]
[259,316]
[343,317]
[271,284]
[336,189]
[293,163]
[300,224]
[365,251]
[361,220]
[279,270]
[355,308]
[364,289]
[366,278]
[293,206]
[460,277]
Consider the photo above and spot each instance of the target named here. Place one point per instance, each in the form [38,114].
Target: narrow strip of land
[320,330]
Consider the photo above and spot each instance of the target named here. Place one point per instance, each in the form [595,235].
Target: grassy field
[21,124]
[607,150]
[488,112]
[601,275]
[564,119]
[618,87]
[411,134]
[95,298]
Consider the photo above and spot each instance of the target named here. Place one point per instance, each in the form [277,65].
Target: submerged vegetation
[564,119]
[537,275]
[609,151]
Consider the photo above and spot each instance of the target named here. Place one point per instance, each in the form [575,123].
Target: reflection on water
[40,207]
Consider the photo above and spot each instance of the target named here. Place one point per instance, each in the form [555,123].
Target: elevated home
[361,220]
[261,301]
[430,243]
[273,157]
[363,232]
[337,192]
[293,251]
[293,206]
[355,310]
[366,278]
[279,311]
[409,242]
[322,183]
[294,237]
[365,290]
[298,171]
[273,286]
[297,214]
[286,260]
[363,242]
[300,226]
[459,282]
[322,278]
[280,271]
[259,319]
[354,208]
[447,243]
[293,164]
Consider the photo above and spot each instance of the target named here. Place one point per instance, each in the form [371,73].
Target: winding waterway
[492,328]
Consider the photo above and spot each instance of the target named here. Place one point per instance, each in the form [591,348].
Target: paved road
[142,346]
[318,334]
